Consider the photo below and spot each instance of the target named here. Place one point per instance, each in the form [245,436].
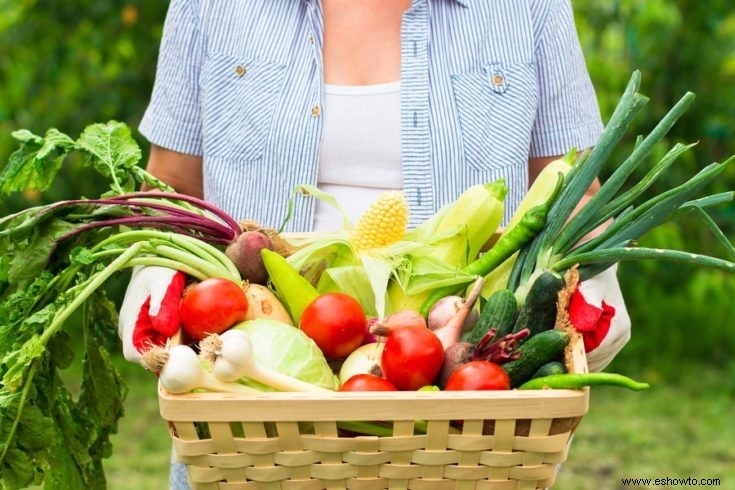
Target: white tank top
[360,154]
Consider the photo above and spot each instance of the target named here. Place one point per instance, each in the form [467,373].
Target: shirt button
[498,80]
[239,70]
[311,39]
[316,110]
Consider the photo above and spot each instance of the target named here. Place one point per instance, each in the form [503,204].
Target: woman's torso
[469,99]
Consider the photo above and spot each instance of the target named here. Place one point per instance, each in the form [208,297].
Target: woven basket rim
[426,405]
[421,405]
[507,404]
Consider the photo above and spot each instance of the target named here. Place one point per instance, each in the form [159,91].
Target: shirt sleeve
[173,117]
[568,113]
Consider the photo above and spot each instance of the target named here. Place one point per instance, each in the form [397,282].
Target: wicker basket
[494,439]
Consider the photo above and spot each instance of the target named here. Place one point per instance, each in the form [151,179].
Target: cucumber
[538,350]
[539,311]
[550,368]
[498,312]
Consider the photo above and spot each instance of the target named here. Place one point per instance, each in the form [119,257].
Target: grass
[677,429]
[141,451]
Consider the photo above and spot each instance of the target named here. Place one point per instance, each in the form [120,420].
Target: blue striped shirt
[484,86]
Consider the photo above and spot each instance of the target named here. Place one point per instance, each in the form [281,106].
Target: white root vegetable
[231,355]
[262,303]
[182,371]
[446,308]
[449,332]
[363,360]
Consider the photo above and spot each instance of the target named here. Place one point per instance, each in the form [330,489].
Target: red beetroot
[244,252]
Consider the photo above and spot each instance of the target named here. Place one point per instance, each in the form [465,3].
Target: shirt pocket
[496,107]
[239,97]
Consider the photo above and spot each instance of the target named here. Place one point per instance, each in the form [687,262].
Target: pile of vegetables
[373,306]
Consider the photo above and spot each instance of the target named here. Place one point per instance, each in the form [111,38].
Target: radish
[371,338]
[231,355]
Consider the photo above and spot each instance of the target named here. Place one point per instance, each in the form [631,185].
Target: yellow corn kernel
[383,223]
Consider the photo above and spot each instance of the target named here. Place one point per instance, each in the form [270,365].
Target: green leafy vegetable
[288,350]
[34,165]
[112,152]
[55,259]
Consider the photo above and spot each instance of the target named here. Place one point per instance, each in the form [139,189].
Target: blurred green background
[69,63]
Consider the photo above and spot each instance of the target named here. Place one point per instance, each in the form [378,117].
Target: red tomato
[412,357]
[336,322]
[212,306]
[478,375]
[367,382]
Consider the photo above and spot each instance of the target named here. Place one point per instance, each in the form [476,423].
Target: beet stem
[170,210]
[502,350]
[231,223]
[178,223]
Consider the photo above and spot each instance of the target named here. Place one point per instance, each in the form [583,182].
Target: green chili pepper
[530,224]
[574,381]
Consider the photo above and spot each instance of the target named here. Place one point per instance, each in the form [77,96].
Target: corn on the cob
[473,218]
[383,223]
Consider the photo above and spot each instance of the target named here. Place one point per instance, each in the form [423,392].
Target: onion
[446,308]
[449,331]
[363,360]
[181,371]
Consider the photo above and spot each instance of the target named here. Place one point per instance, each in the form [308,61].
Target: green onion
[625,199]
[654,211]
[623,254]
[629,106]
[577,226]
[557,247]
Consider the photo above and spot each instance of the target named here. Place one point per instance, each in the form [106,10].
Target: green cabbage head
[288,350]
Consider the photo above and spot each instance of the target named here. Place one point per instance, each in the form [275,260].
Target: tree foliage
[67,64]
[682,45]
